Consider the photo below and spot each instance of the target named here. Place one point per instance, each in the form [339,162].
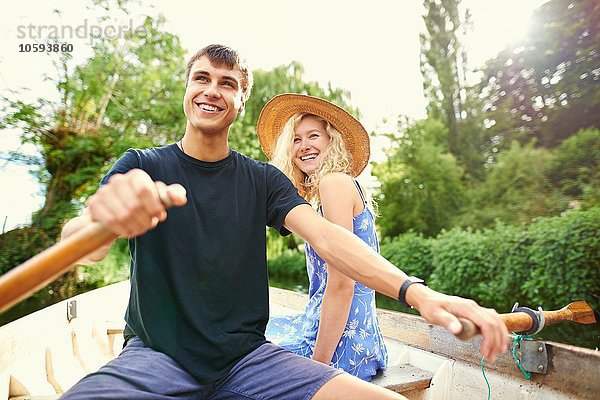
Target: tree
[443,65]
[451,100]
[546,87]
[421,186]
[515,191]
[575,168]
[128,93]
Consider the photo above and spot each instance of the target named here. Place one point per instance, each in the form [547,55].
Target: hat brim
[282,107]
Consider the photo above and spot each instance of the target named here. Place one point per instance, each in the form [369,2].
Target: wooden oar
[40,270]
[579,312]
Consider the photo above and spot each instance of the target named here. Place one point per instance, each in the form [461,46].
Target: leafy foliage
[550,262]
[461,256]
[443,63]
[421,186]
[411,252]
[545,87]
[565,259]
[288,263]
[575,168]
[516,190]
[127,94]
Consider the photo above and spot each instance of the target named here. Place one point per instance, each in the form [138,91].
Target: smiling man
[199,305]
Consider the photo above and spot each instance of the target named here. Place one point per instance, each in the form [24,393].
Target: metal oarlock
[537,317]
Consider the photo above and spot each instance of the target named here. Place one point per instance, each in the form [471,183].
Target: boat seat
[403,378]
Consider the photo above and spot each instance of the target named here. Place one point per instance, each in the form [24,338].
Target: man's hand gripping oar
[129,205]
[526,321]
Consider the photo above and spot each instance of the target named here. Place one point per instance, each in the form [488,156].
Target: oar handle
[37,272]
[469,329]
[515,322]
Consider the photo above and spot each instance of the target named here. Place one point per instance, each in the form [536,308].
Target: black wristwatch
[405,285]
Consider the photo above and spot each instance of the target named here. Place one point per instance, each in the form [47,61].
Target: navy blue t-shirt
[199,285]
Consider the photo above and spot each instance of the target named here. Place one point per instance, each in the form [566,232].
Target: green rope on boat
[486,379]
[526,374]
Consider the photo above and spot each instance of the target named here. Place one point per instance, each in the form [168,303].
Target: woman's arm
[356,259]
[338,198]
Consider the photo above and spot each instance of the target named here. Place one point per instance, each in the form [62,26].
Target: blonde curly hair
[335,157]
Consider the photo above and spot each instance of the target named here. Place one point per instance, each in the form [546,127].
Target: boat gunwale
[565,372]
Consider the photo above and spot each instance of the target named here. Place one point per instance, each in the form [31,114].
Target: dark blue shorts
[269,372]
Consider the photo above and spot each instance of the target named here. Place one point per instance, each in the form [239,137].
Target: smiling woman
[321,148]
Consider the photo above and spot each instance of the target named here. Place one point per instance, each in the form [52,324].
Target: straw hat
[282,107]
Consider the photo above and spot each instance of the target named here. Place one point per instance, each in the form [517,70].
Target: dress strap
[360,191]
[362,195]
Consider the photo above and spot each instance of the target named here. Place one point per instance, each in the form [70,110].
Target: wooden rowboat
[44,353]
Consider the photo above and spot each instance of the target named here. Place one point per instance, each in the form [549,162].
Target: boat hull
[46,352]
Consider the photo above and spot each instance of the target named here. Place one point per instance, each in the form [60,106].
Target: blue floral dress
[361,350]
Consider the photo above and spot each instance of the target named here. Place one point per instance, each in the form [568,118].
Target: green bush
[565,259]
[112,269]
[463,265]
[20,244]
[508,248]
[410,252]
[550,263]
[289,263]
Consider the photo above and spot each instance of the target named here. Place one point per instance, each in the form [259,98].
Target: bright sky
[371,49]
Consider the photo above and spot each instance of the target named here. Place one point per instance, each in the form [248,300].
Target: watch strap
[404,287]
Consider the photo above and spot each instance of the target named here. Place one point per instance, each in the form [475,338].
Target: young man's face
[213,97]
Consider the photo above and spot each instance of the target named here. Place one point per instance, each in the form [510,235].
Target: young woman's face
[310,141]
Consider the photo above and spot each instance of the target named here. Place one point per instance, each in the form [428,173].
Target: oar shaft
[48,265]
[578,312]
[38,271]
[552,317]
[517,322]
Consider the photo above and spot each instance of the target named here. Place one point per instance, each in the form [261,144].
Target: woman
[322,148]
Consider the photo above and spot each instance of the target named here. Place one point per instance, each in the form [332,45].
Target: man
[199,291]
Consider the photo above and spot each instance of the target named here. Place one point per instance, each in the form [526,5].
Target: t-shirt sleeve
[127,162]
[282,198]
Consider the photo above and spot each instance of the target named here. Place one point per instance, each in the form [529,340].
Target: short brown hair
[223,55]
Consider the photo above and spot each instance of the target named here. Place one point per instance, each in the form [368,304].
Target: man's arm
[128,205]
[354,258]
[75,225]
